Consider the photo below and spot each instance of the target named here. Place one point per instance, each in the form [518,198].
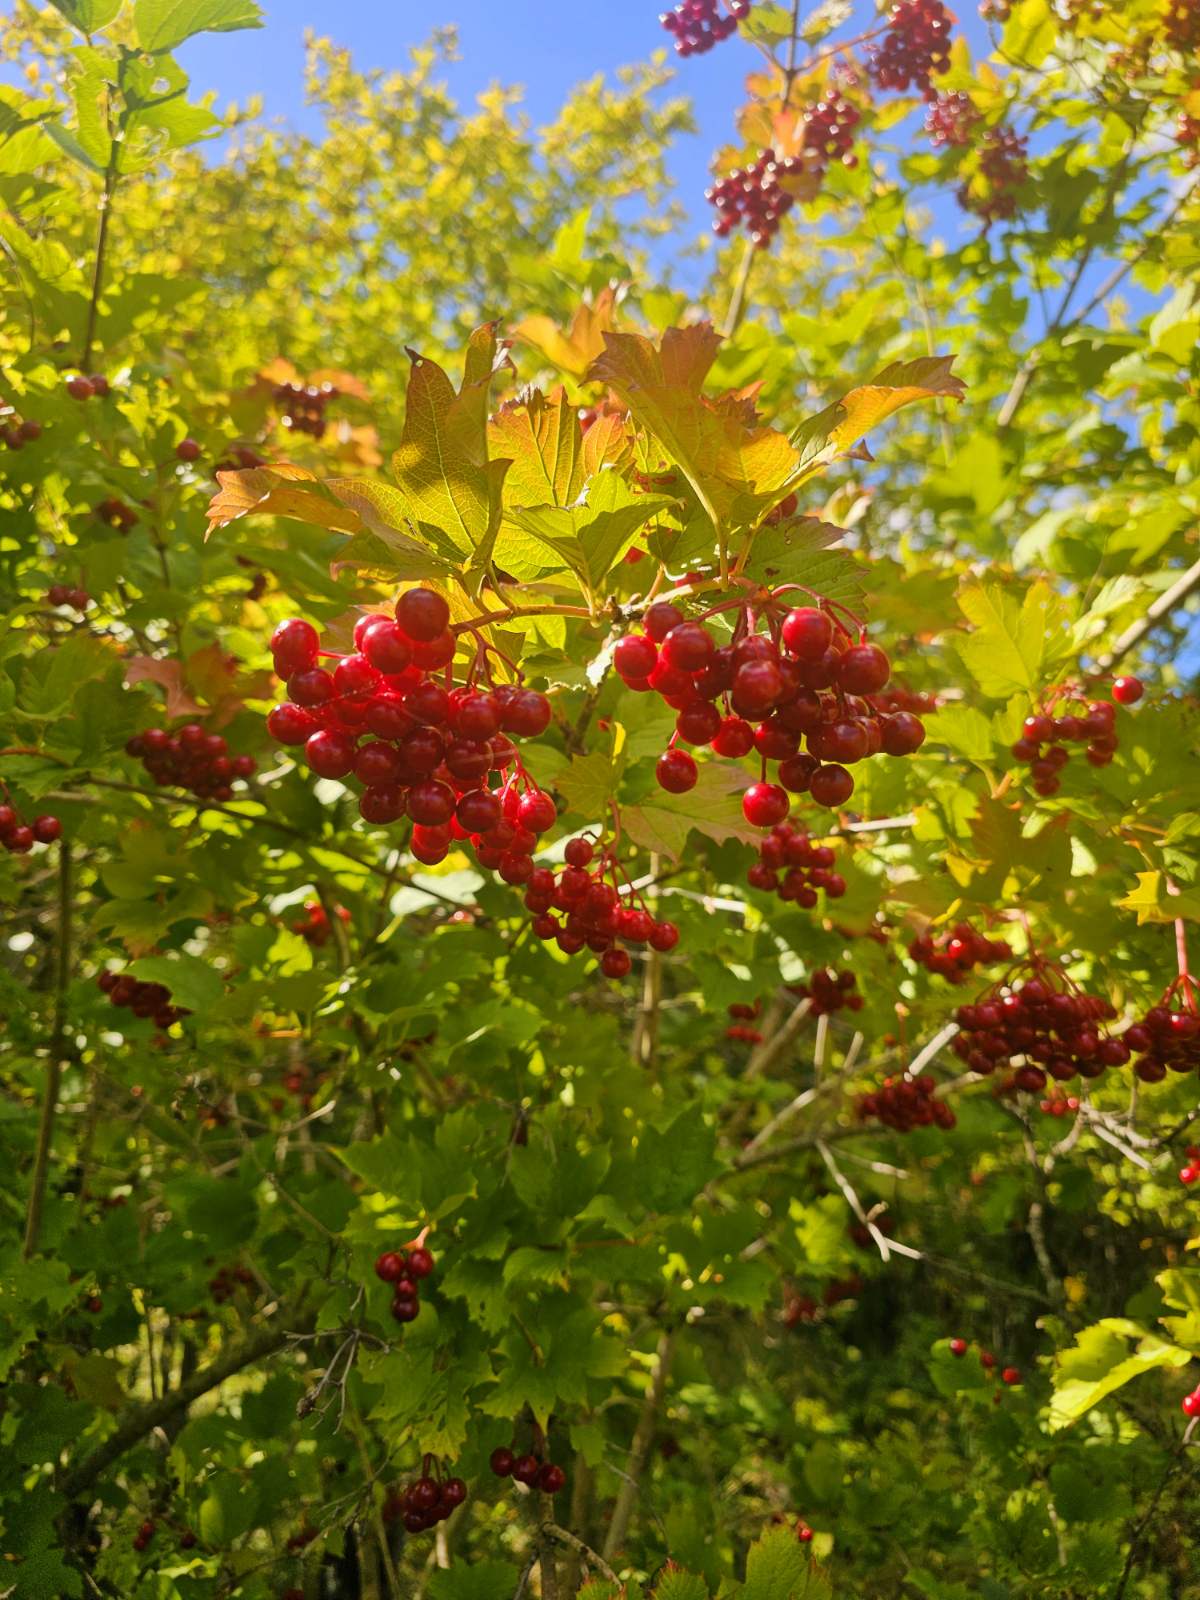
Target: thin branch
[106,202]
[775,1047]
[1179,591]
[53,1081]
[556,1535]
[640,1447]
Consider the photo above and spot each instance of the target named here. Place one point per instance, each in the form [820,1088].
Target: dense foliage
[597,882]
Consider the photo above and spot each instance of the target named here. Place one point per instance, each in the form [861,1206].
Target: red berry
[958,1347]
[1127,691]
[390,1266]
[689,647]
[734,738]
[537,811]
[664,936]
[46,829]
[527,714]
[635,656]
[578,852]
[385,645]
[831,786]
[187,450]
[1191,1404]
[431,802]
[294,646]
[615,963]
[551,1479]
[420,1262]
[807,632]
[804,1533]
[406,1308]
[422,614]
[1011,1376]
[525,1470]
[79,388]
[863,669]
[765,804]
[19,841]
[660,619]
[329,752]
[676,771]
[502,1462]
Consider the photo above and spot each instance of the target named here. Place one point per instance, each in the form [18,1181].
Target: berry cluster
[829,126]
[116,514]
[803,1308]
[19,838]
[425,1502]
[953,953]
[829,992]
[144,999]
[241,458]
[1093,723]
[1004,168]
[144,1535]
[1190,1171]
[528,1469]
[1190,1404]
[17,434]
[1167,1039]
[698,25]
[806,677]
[754,198]
[915,47]
[597,909]
[1181,25]
[96,387]
[743,1015]
[1043,1026]
[1062,1105]
[62,594]
[190,759]
[951,120]
[791,866]
[314,926]
[404,1270]
[226,1282]
[1008,1375]
[302,406]
[903,1104]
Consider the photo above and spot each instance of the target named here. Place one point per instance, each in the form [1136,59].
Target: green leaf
[675,1584]
[192,982]
[89,16]
[163,24]
[1101,1361]
[712,807]
[1013,642]
[590,536]
[45,1576]
[776,1568]
[481,1580]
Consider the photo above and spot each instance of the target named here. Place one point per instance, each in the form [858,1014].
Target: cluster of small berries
[1190,1404]
[96,387]
[1008,1375]
[226,1282]
[1181,25]
[314,926]
[144,1535]
[1004,168]
[802,1308]
[1043,1026]
[1062,1105]
[1190,1170]
[143,998]
[744,1014]
[904,1103]
[116,514]
[598,909]
[528,1469]
[190,759]
[953,953]
[951,120]
[62,594]
[829,126]
[19,838]
[16,435]
[698,25]
[753,197]
[404,1270]
[1096,728]
[1167,1039]
[805,678]
[791,866]
[916,46]
[829,992]
[240,458]
[425,1502]
[302,406]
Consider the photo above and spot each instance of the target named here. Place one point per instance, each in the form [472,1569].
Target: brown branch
[50,1089]
[553,1534]
[1179,591]
[639,1449]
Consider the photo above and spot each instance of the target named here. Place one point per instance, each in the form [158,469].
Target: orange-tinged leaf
[575,350]
[169,675]
[542,437]
[281,490]
[896,386]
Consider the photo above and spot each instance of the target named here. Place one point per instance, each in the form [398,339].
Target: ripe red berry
[390,1266]
[615,963]
[19,841]
[537,811]
[689,647]
[863,669]
[765,804]
[1011,1376]
[660,619]
[1191,1404]
[676,771]
[422,614]
[807,632]
[527,714]
[635,656]
[1127,691]
[385,645]
[329,752]
[502,1461]
[46,829]
[578,852]
[420,1262]
[1189,1174]
[551,1479]
[958,1347]
[831,786]
[525,1470]
[294,646]
[406,1308]
[187,450]
[804,1533]
[431,802]
[80,388]
[734,738]
[664,936]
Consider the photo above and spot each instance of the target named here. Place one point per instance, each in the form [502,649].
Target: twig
[741,285]
[1154,613]
[50,1088]
[883,1244]
[556,1535]
[645,1028]
[1136,1535]
[640,1447]
[777,1045]
[115,147]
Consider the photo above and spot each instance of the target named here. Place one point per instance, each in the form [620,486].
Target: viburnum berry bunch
[951,119]
[904,1103]
[302,406]
[1010,1376]
[743,1015]
[1043,1026]
[191,759]
[226,1282]
[752,197]
[18,837]
[1190,1170]
[1091,722]
[17,432]
[1061,1105]
[314,926]
[528,1469]
[829,130]
[698,25]
[829,992]
[791,866]
[1004,169]
[953,953]
[806,677]
[62,594]
[1167,1038]
[915,47]
[405,1270]
[428,1500]
[590,904]
[144,999]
